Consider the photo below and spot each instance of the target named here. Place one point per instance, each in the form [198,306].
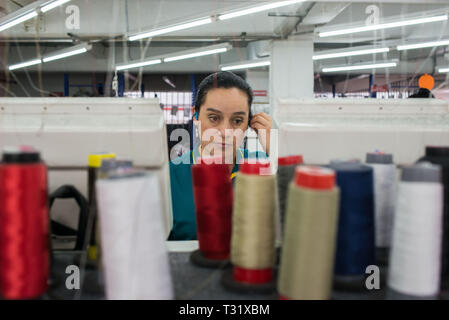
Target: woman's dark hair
[222,79]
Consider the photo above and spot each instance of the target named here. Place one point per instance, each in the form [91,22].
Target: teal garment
[184,219]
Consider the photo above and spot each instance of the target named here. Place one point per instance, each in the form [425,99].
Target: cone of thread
[308,252]
[253,236]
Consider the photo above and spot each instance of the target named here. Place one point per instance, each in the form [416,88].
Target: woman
[223,103]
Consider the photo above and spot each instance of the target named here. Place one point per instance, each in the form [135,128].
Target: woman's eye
[238,121]
[213,118]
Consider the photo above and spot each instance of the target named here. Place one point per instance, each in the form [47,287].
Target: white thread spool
[135,259]
[384,195]
[417,233]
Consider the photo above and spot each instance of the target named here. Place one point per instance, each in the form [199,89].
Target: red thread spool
[253,276]
[213,196]
[258,168]
[24,246]
[290,160]
[316,178]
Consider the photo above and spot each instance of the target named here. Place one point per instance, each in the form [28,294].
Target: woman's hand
[261,123]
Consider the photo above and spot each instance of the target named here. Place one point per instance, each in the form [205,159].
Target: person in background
[223,102]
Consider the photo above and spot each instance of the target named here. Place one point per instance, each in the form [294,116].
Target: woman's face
[223,120]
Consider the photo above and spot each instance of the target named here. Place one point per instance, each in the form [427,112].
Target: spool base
[357,283]
[198,259]
[350,283]
[444,295]
[395,295]
[93,283]
[228,282]
[382,256]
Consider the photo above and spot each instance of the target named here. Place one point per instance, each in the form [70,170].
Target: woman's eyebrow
[239,113]
[214,110]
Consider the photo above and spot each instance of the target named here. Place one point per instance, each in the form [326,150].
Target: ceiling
[107,22]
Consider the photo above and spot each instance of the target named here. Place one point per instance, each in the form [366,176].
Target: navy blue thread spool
[356,237]
[440,155]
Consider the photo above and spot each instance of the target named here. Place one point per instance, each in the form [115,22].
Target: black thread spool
[384,173]
[440,155]
[94,161]
[285,174]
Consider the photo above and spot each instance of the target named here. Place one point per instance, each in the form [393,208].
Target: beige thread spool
[253,233]
[309,243]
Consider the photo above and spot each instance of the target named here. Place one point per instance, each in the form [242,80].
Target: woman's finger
[263,115]
[261,120]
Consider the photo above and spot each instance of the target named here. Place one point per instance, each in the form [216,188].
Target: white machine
[321,129]
[67,130]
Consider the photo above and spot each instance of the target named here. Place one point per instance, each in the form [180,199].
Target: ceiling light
[68,52]
[423,45]
[138,64]
[52,4]
[18,20]
[188,54]
[383,26]
[360,67]
[261,8]
[165,30]
[323,56]
[25,64]
[246,65]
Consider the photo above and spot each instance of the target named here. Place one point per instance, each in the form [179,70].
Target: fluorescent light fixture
[25,64]
[188,54]
[138,64]
[52,4]
[423,45]
[68,52]
[18,20]
[383,26]
[246,65]
[177,27]
[361,67]
[349,53]
[443,70]
[252,10]
[198,54]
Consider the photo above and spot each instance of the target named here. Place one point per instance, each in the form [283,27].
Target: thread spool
[416,251]
[355,239]
[308,253]
[440,156]
[384,171]
[285,174]
[213,196]
[134,256]
[253,231]
[108,166]
[94,163]
[344,160]
[24,225]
